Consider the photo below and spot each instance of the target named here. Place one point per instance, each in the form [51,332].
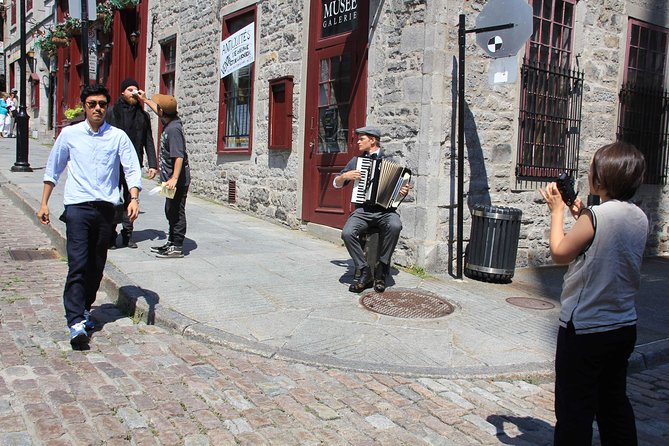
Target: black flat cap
[369,130]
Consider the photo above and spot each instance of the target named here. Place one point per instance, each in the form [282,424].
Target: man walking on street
[128,115]
[94,152]
[174,173]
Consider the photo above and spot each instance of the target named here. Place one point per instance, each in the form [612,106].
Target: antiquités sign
[238,50]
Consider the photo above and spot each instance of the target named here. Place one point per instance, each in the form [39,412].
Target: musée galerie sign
[237,51]
[339,16]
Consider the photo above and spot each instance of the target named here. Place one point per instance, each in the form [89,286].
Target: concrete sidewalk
[256,286]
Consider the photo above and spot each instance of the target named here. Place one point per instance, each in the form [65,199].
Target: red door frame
[322,203]
[123,64]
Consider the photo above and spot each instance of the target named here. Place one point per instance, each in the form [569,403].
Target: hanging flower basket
[60,41]
[72,26]
[105,17]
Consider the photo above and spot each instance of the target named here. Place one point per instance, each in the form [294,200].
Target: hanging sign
[238,50]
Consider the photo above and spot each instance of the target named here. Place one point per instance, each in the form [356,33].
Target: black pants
[88,226]
[126,225]
[591,382]
[389,224]
[175,211]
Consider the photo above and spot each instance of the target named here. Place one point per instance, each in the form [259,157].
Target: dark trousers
[359,221]
[126,224]
[88,227]
[175,211]
[591,382]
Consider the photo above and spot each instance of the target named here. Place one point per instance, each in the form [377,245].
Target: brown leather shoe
[365,281]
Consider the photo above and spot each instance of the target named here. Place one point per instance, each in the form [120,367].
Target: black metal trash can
[490,255]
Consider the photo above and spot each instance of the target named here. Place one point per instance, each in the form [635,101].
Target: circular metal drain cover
[530,302]
[407,303]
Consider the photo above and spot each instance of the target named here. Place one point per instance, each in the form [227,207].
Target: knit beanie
[129,82]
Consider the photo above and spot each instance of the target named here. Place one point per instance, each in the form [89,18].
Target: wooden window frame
[222,108]
[550,96]
[632,56]
[168,66]
[280,118]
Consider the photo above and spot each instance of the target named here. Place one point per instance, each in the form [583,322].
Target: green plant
[416,270]
[105,12]
[72,113]
[60,31]
[72,26]
[122,4]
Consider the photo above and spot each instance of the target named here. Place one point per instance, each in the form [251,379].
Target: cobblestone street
[144,385]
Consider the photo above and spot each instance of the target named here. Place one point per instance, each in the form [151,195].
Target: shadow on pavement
[530,431]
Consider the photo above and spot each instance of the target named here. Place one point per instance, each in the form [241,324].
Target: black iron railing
[644,121]
[549,123]
[237,118]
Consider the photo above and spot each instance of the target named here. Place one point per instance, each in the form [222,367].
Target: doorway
[335,104]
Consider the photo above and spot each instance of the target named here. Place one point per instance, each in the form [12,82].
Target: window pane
[333,113]
[238,108]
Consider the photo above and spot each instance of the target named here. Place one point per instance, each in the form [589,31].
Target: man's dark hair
[619,168]
[94,90]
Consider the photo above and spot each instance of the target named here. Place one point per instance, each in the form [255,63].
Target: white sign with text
[238,50]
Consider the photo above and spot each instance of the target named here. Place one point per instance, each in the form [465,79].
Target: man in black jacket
[129,115]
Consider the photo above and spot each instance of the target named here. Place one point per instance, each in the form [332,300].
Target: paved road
[143,385]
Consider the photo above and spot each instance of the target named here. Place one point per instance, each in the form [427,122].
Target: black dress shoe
[365,281]
[380,282]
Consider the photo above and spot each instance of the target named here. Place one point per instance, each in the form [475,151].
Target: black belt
[97,204]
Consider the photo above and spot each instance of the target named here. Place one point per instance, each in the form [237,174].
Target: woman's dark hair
[619,168]
[94,90]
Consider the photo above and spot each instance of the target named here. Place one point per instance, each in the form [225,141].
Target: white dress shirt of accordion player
[367,215]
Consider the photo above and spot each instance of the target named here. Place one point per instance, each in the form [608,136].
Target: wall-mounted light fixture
[66,66]
[134,37]
[31,54]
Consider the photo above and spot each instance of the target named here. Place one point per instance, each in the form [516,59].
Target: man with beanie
[174,172]
[128,115]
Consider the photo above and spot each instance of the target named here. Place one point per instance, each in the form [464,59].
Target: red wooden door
[335,104]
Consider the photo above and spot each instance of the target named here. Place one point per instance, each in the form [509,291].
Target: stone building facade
[409,80]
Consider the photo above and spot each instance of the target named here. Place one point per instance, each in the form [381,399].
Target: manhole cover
[33,254]
[408,304]
[530,302]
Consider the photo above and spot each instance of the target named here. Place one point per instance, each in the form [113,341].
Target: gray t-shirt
[600,286]
[172,146]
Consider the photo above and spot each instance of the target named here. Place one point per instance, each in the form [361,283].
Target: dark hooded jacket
[135,122]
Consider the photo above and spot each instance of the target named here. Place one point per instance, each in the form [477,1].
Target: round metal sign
[504,42]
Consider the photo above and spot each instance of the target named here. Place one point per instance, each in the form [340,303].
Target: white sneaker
[78,334]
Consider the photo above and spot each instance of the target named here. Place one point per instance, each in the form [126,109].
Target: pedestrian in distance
[597,333]
[174,173]
[128,115]
[94,153]
[4,112]
[8,124]
[368,215]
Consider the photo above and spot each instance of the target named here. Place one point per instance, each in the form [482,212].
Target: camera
[565,184]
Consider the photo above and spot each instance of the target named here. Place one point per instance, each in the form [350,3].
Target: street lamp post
[22,164]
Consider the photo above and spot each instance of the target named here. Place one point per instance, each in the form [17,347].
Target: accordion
[380,182]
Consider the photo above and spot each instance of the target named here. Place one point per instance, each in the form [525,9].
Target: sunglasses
[93,104]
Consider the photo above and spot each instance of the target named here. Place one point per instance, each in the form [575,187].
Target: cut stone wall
[411,96]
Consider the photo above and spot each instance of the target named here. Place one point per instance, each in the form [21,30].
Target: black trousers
[389,224]
[175,211]
[88,226]
[591,382]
